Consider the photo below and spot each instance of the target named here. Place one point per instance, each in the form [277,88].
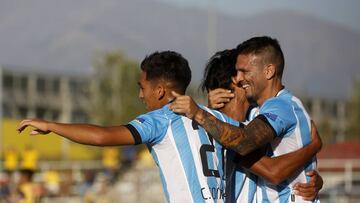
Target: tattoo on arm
[243,139]
[257,134]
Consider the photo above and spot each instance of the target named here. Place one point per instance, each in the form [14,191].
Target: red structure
[335,157]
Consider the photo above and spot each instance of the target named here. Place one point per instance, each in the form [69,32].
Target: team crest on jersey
[139,120]
[273,117]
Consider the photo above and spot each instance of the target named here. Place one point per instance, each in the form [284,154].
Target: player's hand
[217,98]
[184,104]
[308,191]
[315,138]
[41,126]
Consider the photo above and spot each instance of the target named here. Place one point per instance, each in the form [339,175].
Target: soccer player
[240,184]
[282,124]
[190,162]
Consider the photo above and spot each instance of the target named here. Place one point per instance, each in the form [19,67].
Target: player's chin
[149,108]
[145,104]
[249,93]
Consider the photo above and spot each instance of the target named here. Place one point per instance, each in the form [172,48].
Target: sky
[65,35]
[345,12]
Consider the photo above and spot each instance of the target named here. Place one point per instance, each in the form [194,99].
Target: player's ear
[233,85]
[270,71]
[160,91]
[233,80]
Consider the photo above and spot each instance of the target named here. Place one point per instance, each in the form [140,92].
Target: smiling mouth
[245,86]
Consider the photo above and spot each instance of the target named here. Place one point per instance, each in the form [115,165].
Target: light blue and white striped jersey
[190,163]
[292,125]
[241,184]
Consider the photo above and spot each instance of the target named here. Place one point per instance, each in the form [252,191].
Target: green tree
[114,90]
[354,112]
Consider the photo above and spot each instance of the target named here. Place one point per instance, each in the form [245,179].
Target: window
[8,82]
[55,87]
[55,115]
[40,85]
[74,86]
[7,111]
[78,87]
[23,83]
[23,111]
[334,109]
[40,112]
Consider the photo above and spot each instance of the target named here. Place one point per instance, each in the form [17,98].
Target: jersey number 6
[204,160]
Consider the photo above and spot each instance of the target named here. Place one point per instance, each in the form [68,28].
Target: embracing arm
[243,139]
[81,133]
[277,169]
[309,190]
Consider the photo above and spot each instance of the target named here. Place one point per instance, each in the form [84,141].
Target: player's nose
[141,95]
[238,78]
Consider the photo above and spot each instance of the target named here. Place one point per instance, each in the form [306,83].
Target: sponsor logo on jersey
[139,120]
[271,116]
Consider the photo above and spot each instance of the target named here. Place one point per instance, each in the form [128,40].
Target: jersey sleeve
[221,116]
[225,118]
[279,115]
[148,128]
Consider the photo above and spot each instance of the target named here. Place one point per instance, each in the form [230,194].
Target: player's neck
[168,98]
[270,91]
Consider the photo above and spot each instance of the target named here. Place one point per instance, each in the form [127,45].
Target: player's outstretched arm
[277,169]
[217,98]
[243,139]
[81,133]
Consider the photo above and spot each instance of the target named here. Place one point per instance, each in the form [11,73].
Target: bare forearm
[243,139]
[277,169]
[288,164]
[90,134]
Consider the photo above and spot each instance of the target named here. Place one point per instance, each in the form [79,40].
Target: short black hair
[219,70]
[169,66]
[266,46]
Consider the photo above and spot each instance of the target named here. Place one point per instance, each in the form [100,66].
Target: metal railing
[341,180]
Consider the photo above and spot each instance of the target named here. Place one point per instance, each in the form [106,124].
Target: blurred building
[56,96]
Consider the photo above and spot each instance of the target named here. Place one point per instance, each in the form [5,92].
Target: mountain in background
[322,58]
